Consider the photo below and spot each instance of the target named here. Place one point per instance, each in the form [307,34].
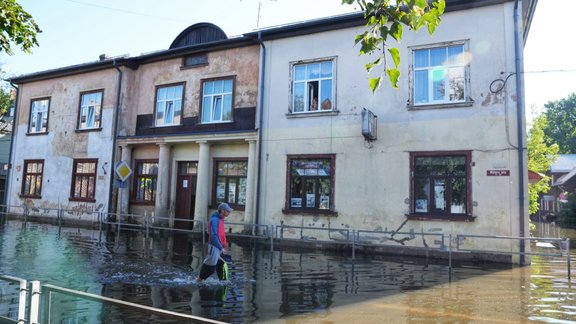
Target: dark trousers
[207,270]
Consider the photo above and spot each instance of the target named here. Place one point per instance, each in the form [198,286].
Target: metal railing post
[34,302]
[22,301]
[450,252]
[568,258]
[353,244]
[271,233]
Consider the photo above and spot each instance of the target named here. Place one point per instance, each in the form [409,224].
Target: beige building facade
[281,124]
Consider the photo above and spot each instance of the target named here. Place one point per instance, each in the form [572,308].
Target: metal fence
[343,237]
[40,301]
[31,307]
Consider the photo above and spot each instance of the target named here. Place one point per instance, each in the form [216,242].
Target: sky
[78,31]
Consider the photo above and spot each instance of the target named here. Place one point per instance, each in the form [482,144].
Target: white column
[249,212]
[123,207]
[202,182]
[161,204]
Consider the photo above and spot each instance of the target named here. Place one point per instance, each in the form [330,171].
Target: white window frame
[312,86]
[217,104]
[90,110]
[39,110]
[168,108]
[459,64]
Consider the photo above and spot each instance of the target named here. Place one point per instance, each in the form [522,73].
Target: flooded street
[275,287]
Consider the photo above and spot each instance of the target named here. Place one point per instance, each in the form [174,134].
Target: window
[169,105]
[440,183]
[217,101]
[196,60]
[39,116]
[231,182]
[313,87]
[310,181]
[439,75]
[32,178]
[90,110]
[84,180]
[145,181]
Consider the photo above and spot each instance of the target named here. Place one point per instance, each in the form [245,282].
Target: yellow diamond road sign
[123,170]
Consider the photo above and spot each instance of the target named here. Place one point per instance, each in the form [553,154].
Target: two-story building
[281,124]
[444,154]
[178,124]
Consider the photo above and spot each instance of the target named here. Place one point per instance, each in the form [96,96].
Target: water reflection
[287,286]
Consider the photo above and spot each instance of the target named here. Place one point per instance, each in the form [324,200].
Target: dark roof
[205,37]
[198,34]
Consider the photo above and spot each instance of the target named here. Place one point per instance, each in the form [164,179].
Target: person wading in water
[216,245]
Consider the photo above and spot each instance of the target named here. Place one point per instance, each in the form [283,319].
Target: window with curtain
[84,180]
[39,110]
[313,86]
[90,110]
[169,105]
[32,178]
[217,100]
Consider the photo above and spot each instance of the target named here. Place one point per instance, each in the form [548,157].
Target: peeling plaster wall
[62,144]
[372,180]
[241,63]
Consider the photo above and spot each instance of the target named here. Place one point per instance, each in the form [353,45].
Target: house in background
[281,124]
[563,180]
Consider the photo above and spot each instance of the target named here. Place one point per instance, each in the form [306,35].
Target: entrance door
[185,195]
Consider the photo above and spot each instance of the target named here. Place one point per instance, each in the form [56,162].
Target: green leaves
[374,83]
[386,18]
[540,156]
[16,27]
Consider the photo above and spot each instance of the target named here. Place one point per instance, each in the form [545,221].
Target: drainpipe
[518,48]
[260,122]
[114,136]
[10,153]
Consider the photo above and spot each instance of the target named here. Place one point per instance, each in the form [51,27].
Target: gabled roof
[565,178]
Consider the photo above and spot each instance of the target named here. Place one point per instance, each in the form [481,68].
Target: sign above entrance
[123,170]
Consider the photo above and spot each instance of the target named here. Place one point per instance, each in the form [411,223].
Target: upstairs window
[217,101]
[39,116]
[90,110]
[84,180]
[169,105]
[32,178]
[313,87]
[439,75]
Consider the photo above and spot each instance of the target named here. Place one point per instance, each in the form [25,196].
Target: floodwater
[274,287]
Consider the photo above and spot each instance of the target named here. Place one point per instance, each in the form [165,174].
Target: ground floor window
[84,180]
[310,182]
[145,179]
[32,178]
[230,178]
[440,183]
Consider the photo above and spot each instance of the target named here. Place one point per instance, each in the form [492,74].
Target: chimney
[103,57]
